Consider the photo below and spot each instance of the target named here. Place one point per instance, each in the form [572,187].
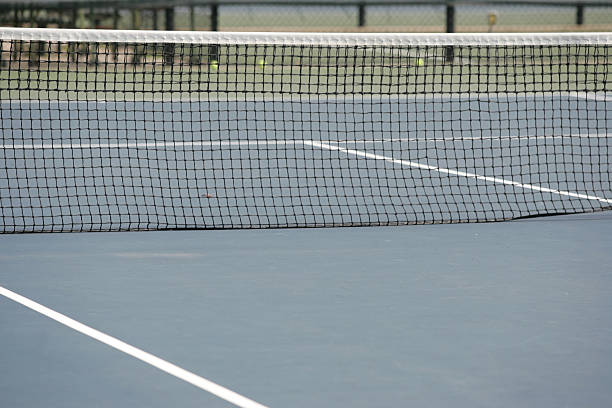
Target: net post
[213,50]
[169,19]
[579,14]
[169,48]
[115,19]
[450,28]
[192,17]
[115,47]
[135,14]
[214,17]
[74,16]
[362,15]
[35,51]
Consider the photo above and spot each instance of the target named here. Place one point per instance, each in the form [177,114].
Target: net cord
[312,39]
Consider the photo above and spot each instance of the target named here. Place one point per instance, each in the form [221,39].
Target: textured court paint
[457,173]
[178,372]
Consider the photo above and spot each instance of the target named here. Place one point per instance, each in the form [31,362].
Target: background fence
[313,15]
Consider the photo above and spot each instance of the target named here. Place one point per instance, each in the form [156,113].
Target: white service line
[470,139]
[178,372]
[147,145]
[455,172]
[220,143]
[500,97]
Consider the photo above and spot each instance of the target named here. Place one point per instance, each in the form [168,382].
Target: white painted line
[605,97]
[178,372]
[148,145]
[263,143]
[455,172]
[475,138]
[500,97]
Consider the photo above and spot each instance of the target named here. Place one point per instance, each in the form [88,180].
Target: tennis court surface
[494,314]
[269,134]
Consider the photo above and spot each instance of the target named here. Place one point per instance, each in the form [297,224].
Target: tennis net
[118,130]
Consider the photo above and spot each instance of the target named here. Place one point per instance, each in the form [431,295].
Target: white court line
[606,97]
[222,143]
[148,145]
[178,372]
[455,172]
[500,97]
[475,138]
[321,144]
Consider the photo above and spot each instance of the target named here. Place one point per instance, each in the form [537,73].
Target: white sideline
[178,372]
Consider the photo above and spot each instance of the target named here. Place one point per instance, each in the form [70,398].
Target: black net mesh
[100,136]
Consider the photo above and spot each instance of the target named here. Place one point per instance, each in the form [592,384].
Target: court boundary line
[448,97]
[324,145]
[277,142]
[163,365]
[443,170]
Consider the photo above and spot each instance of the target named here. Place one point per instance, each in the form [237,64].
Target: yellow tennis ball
[420,62]
[261,63]
[214,65]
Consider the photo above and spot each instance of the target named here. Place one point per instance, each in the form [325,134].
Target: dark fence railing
[320,15]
